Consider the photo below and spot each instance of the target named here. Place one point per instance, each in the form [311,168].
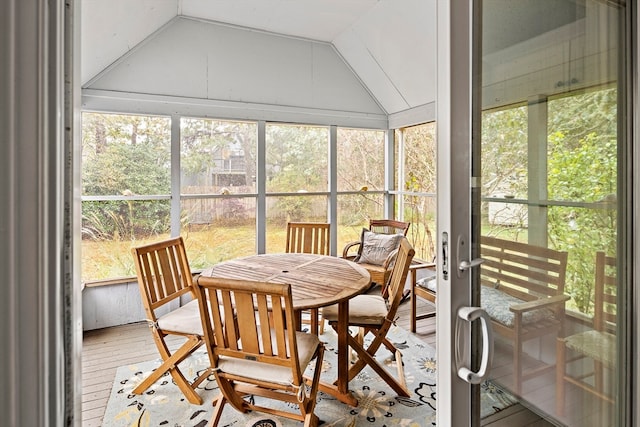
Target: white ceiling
[322,20]
[389,44]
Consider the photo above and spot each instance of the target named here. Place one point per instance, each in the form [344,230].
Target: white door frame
[453,121]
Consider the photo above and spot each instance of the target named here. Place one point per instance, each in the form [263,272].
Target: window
[296,170]
[217,189]
[126,182]
[139,186]
[416,182]
[360,181]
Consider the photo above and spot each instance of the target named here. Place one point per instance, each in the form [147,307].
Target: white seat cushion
[363,310]
[307,345]
[185,319]
[598,345]
[429,282]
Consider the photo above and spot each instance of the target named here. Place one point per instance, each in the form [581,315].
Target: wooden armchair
[379,272]
[255,349]
[424,288]
[597,344]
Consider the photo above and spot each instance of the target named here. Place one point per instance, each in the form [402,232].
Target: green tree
[296,162]
[125,156]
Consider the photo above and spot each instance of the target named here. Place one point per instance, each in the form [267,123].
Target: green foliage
[504,152]
[205,143]
[582,232]
[581,171]
[582,167]
[296,162]
[125,156]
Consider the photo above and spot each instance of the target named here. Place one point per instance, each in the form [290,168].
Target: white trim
[140,103]
[414,116]
[453,206]
[40,357]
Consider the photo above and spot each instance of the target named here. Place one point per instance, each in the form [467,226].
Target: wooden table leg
[340,389]
[343,347]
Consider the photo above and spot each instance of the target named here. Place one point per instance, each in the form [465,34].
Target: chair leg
[366,358]
[517,365]
[169,364]
[400,367]
[413,300]
[218,403]
[560,383]
[309,406]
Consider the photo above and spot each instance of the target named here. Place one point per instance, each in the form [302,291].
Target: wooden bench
[523,293]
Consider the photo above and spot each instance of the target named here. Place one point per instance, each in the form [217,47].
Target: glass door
[533,209]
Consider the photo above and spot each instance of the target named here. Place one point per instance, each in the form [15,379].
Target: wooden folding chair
[309,238]
[379,273]
[165,278]
[373,314]
[254,348]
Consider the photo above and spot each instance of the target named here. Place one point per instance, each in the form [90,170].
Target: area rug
[378,405]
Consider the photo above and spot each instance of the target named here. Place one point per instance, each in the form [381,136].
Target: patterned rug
[164,405]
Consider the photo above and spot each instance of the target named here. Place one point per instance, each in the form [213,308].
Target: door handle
[470,314]
[464,265]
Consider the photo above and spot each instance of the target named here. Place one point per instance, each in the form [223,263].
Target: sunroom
[221,122]
[225,133]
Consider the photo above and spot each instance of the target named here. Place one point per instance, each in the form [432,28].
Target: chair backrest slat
[163,273]
[522,270]
[259,325]
[388,226]
[308,237]
[605,295]
[398,276]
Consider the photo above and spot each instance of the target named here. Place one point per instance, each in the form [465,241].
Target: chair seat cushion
[429,282]
[363,310]
[185,319]
[496,303]
[598,345]
[307,346]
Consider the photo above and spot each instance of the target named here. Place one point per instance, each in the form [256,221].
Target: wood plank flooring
[106,349]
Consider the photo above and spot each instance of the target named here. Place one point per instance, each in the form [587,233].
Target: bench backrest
[525,271]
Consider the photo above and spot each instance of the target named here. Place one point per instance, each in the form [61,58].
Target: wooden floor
[106,349]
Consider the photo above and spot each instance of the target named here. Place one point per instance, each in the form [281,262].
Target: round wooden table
[316,281]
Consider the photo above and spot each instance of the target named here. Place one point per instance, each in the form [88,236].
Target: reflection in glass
[549,139]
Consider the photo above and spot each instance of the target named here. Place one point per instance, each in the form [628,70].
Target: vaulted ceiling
[388,44]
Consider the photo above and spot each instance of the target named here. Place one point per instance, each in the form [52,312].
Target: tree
[125,156]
